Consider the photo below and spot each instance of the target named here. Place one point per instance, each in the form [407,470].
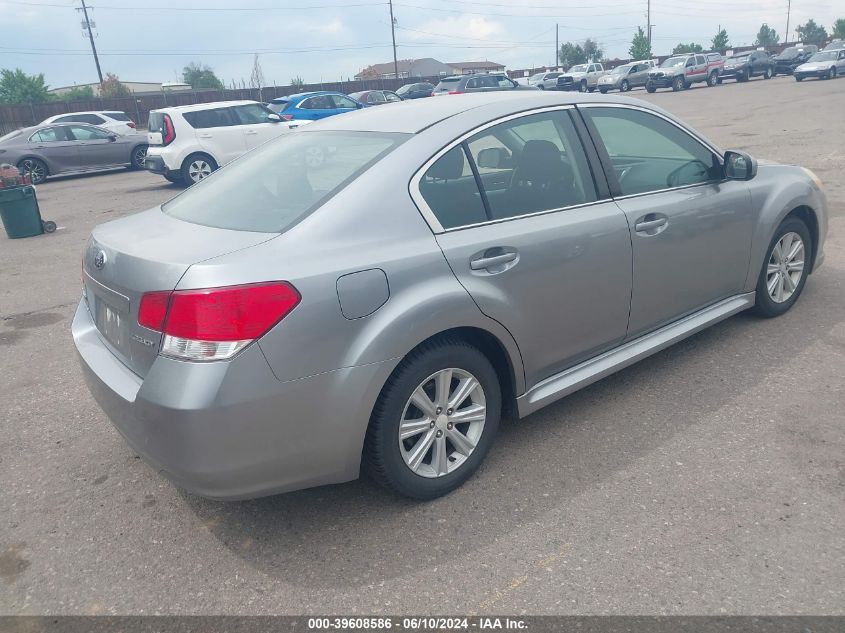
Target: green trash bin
[20,214]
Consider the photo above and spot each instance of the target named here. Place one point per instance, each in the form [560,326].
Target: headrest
[539,161]
[448,166]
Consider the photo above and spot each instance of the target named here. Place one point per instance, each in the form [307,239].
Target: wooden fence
[138,105]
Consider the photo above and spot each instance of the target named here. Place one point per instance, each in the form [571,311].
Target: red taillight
[286,117]
[456,92]
[169,132]
[131,124]
[153,309]
[215,323]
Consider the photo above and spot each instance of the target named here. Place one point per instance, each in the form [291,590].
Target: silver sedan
[68,148]
[284,324]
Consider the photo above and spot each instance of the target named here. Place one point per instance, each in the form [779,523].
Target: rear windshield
[156,122]
[277,106]
[118,116]
[272,188]
[447,84]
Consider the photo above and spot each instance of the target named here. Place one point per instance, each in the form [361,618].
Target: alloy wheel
[34,169]
[785,267]
[139,156]
[199,170]
[442,422]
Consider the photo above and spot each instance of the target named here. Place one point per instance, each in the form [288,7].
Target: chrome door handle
[251,132]
[649,225]
[488,262]
[205,135]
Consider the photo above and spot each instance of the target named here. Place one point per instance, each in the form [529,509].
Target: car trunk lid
[146,252]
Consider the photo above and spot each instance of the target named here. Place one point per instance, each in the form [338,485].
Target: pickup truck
[581,77]
[679,72]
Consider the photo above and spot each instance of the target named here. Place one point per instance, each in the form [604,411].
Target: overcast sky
[151,40]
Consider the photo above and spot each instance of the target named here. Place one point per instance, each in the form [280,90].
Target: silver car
[69,148]
[625,78]
[272,329]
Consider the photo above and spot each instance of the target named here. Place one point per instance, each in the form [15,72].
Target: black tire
[48,225]
[541,86]
[35,168]
[744,76]
[719,80]
[625,86]
[678,84]
[382,457]
[650,89]
[193,165]
[136,158]
[765,306]
[831,73]
[797,78]
[603,91]
[713,79]
[769,73]
[583,86]
[173,179]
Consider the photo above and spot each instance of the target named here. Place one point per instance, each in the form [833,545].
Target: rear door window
[48,135]
[451,191]
[322,102]
[118,116]
[214,117]
[85,133]
[253,194]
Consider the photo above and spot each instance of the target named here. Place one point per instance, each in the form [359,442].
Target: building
[467,68]
[408,68]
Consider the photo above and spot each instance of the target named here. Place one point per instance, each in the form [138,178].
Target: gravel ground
[708,479]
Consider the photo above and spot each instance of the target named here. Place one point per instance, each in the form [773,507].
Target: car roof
[413,116]
[63,114]
[202,106]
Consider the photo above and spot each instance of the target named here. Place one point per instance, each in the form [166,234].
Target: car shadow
[353,534]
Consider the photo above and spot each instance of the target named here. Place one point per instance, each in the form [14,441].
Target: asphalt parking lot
[708,479]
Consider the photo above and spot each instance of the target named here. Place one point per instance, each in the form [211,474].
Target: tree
[18,87]
[111,87]
[77,93]
[680,49]
[571,54]
[200,76]
[640,46]
[837,31]
[297,82]
[256,78]
[811,33]
[592,50]
[720,41]
[766,36]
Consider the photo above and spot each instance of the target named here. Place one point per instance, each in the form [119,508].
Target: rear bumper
[231,430]
[156,165]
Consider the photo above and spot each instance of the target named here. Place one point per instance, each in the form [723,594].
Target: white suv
[187,143]
[117,122]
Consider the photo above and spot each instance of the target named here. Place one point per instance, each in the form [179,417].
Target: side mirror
[739,166]
[274,118]
[493,158]
[359,105]
[112,138]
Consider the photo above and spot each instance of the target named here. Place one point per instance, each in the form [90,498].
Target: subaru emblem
[99,260]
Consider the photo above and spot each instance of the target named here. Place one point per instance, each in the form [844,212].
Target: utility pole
[557,44]
[648,22]
[91,37]
[393,37]
[788,9]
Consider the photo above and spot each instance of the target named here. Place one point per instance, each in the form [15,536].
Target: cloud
[460,27]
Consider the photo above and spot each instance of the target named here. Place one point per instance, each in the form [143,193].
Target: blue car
[313,105]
